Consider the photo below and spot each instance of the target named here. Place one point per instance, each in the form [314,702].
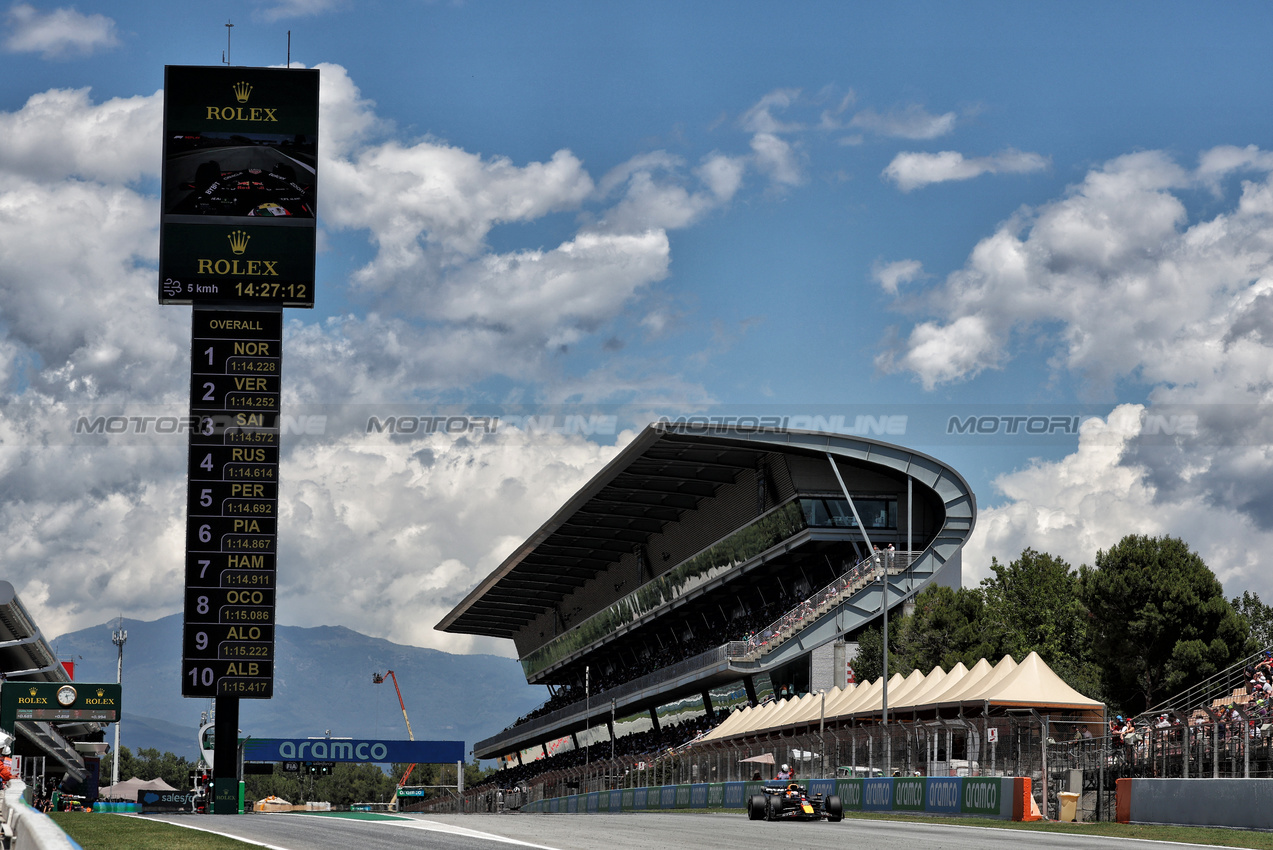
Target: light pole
[118,637]
[822,733]
[888,741]
[587,709]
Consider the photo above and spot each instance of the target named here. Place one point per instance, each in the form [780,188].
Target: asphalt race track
[637,831]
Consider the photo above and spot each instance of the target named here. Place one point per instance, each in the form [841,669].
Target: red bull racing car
[791,801]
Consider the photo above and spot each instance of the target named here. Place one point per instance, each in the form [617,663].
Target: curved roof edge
[957,497]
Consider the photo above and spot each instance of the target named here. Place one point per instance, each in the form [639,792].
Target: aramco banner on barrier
[352,750]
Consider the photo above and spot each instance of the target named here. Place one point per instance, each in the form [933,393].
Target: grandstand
[707,568]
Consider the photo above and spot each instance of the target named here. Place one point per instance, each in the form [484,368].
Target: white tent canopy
[1030,683]
[127,790]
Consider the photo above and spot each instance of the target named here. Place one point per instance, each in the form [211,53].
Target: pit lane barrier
[1007,797]
[1236,803]
[26,829]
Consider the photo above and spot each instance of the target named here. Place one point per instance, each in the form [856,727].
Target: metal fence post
[1215,749]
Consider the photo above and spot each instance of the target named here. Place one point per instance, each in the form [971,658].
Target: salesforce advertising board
[240,186]
[352,750]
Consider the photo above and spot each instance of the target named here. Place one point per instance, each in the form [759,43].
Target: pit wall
[993,797]
[1241,803]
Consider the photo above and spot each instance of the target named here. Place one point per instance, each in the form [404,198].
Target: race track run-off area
[622,832]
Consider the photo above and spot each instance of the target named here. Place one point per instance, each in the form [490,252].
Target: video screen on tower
[239,192]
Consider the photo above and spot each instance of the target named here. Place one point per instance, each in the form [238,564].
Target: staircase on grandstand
[846,604]
[1213,696]
[861,577]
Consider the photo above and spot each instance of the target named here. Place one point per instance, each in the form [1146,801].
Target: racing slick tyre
[773,809]
[835,809]
[756,807]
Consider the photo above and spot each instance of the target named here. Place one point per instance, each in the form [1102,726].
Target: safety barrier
[1005,797]
[24,827]
[1238,803]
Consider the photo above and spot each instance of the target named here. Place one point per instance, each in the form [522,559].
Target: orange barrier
[1023,805]
[1123,800]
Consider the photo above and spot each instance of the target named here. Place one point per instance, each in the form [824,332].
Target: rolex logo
[238,241]
[242,91]
[33,692]
[101,692]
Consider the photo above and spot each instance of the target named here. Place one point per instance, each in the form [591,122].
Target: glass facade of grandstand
[770,530]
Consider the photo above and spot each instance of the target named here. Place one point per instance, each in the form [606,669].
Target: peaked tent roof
[1034,683]
[977,689]
[127,789]
[1030,683]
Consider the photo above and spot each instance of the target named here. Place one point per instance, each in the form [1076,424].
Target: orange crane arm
[377,678]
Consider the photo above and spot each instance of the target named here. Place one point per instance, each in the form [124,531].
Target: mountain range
[322,682]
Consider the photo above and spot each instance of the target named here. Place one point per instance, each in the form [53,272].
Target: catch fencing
[1058,754]
[1011,745]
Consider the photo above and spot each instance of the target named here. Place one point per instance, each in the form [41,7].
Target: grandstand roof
[26,656]
[1007,684]
[668,469]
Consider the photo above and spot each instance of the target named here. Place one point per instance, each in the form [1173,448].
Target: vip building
[677,579]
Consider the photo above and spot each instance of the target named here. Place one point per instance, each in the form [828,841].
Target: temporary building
[983,689]
[127,789]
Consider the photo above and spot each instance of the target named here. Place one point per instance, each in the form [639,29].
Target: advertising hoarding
[239,193]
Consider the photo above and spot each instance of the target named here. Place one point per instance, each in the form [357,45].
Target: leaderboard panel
[232,504]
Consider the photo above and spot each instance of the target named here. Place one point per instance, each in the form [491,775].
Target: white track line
[409,823]
[217,832]
[435,826]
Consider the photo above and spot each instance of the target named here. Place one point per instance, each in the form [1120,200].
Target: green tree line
[1148,619]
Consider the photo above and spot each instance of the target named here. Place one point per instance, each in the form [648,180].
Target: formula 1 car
[247,191]
[790,801]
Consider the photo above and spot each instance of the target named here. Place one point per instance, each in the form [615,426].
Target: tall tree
[945,629]
[1032,605]
[149,763]
[1259,618]
[1160,622]
[870,658]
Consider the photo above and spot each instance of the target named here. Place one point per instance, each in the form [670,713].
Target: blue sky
[923,210]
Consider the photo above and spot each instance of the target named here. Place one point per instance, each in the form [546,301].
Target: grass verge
[1215,836]
[1209,835]
[117,832]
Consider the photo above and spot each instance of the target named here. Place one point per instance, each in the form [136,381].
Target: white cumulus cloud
[1117,285]
[910,170]
[1091,499]
[892,275]
[59,33]
[910,122]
